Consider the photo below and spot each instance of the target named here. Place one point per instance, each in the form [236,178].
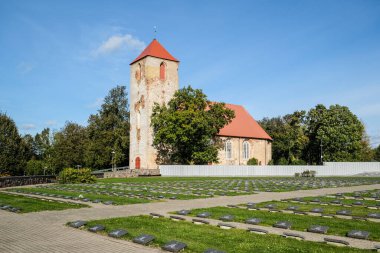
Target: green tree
[69,147]
[13,150]
[376,155]
[288,133]
[108,131]
[185,131]
[337,130]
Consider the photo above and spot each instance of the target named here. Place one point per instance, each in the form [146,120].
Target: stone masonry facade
[147,88]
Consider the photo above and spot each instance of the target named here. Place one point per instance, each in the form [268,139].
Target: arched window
[228,149]
[162,71]
[246,150]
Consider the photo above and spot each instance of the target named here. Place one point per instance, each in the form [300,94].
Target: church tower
[154,79]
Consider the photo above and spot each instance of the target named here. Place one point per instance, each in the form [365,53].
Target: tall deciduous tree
[108,131]
[376,155]
[13,150]
[185,131]
[334,132]
[289,139]
[69,146]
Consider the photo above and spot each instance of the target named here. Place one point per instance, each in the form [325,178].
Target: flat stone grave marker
[143,239]
[253,221]
[184,212]
[117,233]
[200,222]
[232,206]
[257,230]
[96,228]
[14,209]
[156,215]
[96,201]
[374,215]
[108,202]
[227,217]
[174,246]
[336,202]
[213,251]
[271,206]
[85,200]
[344,212]
[293,235]
[283,224]
[318,229]
[176,218]
[78,223]
[6,207]
[358,203]
[358,234]
[317,210]
[204,215]
[336,242]
[225,226]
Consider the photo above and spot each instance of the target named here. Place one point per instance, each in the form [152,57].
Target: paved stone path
[46,231]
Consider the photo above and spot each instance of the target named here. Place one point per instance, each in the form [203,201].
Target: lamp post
[321,152]
[113,160]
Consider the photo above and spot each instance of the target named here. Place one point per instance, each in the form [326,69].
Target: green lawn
[328,209]
[202,237]
[299,222]
[344,201]
[117,200]
[28,204]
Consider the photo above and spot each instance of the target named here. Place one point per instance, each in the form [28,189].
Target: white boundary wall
[328,169]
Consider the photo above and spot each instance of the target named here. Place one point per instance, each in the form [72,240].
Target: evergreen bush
[72,176]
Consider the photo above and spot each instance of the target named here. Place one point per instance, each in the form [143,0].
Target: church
[154,79]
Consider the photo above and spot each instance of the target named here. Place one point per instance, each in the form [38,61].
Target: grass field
[299,222]
[202,237]
[27,204]
[327,209]
[117,200]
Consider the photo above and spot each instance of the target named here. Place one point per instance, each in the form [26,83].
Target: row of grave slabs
[357,198]
[199,188]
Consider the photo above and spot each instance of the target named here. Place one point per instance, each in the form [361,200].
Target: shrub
[4,174]
[70,175]
[252,161]
[34,167]
[297,174]
[309,173]
[298,162]
[282,161]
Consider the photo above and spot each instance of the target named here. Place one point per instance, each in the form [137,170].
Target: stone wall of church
[258,148]
[147,89]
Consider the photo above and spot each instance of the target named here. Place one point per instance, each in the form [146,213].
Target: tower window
[246,150]
[162,71]
[138,73]
[228,149]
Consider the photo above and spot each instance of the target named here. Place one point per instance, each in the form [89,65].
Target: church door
[137,163]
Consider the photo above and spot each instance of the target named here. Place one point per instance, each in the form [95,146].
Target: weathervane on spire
[155,31]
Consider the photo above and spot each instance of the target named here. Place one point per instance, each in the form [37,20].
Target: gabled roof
[243,125]
[155,49]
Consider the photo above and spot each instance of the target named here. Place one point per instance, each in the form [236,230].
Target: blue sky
[58,59]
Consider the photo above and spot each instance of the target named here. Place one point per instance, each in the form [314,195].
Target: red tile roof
[243,125]
[155,49]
